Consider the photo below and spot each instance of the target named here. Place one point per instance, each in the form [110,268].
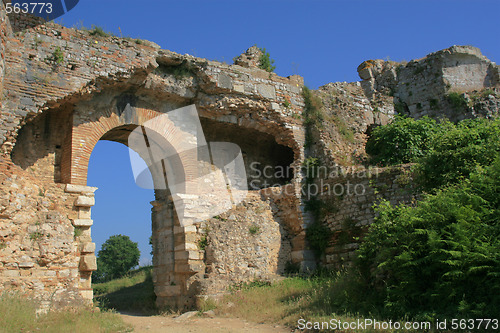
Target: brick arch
[84,137]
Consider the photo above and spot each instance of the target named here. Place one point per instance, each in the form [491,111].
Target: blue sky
[324,41]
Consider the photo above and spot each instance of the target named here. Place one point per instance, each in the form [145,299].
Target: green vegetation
[58,56]
[203,242]
[318,236]
[311,169]
[254,229]
[444,152]
[453,154]
[286,103]
[313,116]
[77,232]
[487,92]
[134,292]
[117,256]
[343,129]
[99,31]
[19,315]
[319,298]
[440,258]
[178,71]
[458,101]
[265,61]
[404,140]
[36,235]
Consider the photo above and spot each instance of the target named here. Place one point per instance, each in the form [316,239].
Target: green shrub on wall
[440,258]
[404,140]
[265,61]
[318,236]
[457,152]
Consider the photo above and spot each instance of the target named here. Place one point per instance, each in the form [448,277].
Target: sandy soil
[197,324]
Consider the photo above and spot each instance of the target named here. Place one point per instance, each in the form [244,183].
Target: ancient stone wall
[65,89]
[57,107]
[422,87]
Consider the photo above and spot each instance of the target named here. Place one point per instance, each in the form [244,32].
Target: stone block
[84,201]
[26,264]
[88,263]
[168,291]
[88,247]
[84,213]
[83,222]
[70,188]
[87,294]
[266,91]
[224,81]
[11,273]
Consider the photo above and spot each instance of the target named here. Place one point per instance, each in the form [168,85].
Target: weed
[98,31]
[343,129]
[487,93]
[286,103]
[58,56]
[134,292]
[207,305]
[254,229]
[318,236]
[36,235]
[178,71]
[399,107]
[77,232]
[203,242]
[458,101]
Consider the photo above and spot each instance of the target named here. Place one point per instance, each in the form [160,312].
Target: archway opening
[122,207]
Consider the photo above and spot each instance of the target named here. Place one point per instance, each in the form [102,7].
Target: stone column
[82,224]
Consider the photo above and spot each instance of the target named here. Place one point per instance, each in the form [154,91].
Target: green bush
[458,151]
[440,258]
[265,61]
[404,140]
[99,31]
[457,100]
[318,236]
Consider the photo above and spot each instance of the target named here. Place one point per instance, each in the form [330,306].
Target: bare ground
[196,324]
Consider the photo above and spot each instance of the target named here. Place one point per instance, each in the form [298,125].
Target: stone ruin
[53,112]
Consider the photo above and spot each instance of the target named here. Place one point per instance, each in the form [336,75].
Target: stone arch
[175,256]
[85,136]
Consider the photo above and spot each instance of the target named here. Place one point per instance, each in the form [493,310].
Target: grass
[99,31]
[18,314]
[134,292]
[343,128]
[315,299]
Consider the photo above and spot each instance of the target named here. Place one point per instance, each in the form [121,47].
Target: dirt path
[197,324]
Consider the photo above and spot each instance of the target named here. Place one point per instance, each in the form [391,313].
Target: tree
[117,256]
[265,61]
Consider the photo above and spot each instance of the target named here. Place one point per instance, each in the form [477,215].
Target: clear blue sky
[324,41]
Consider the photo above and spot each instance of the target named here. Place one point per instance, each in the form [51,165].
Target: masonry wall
[45,206]
[350,195]
[421,87]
